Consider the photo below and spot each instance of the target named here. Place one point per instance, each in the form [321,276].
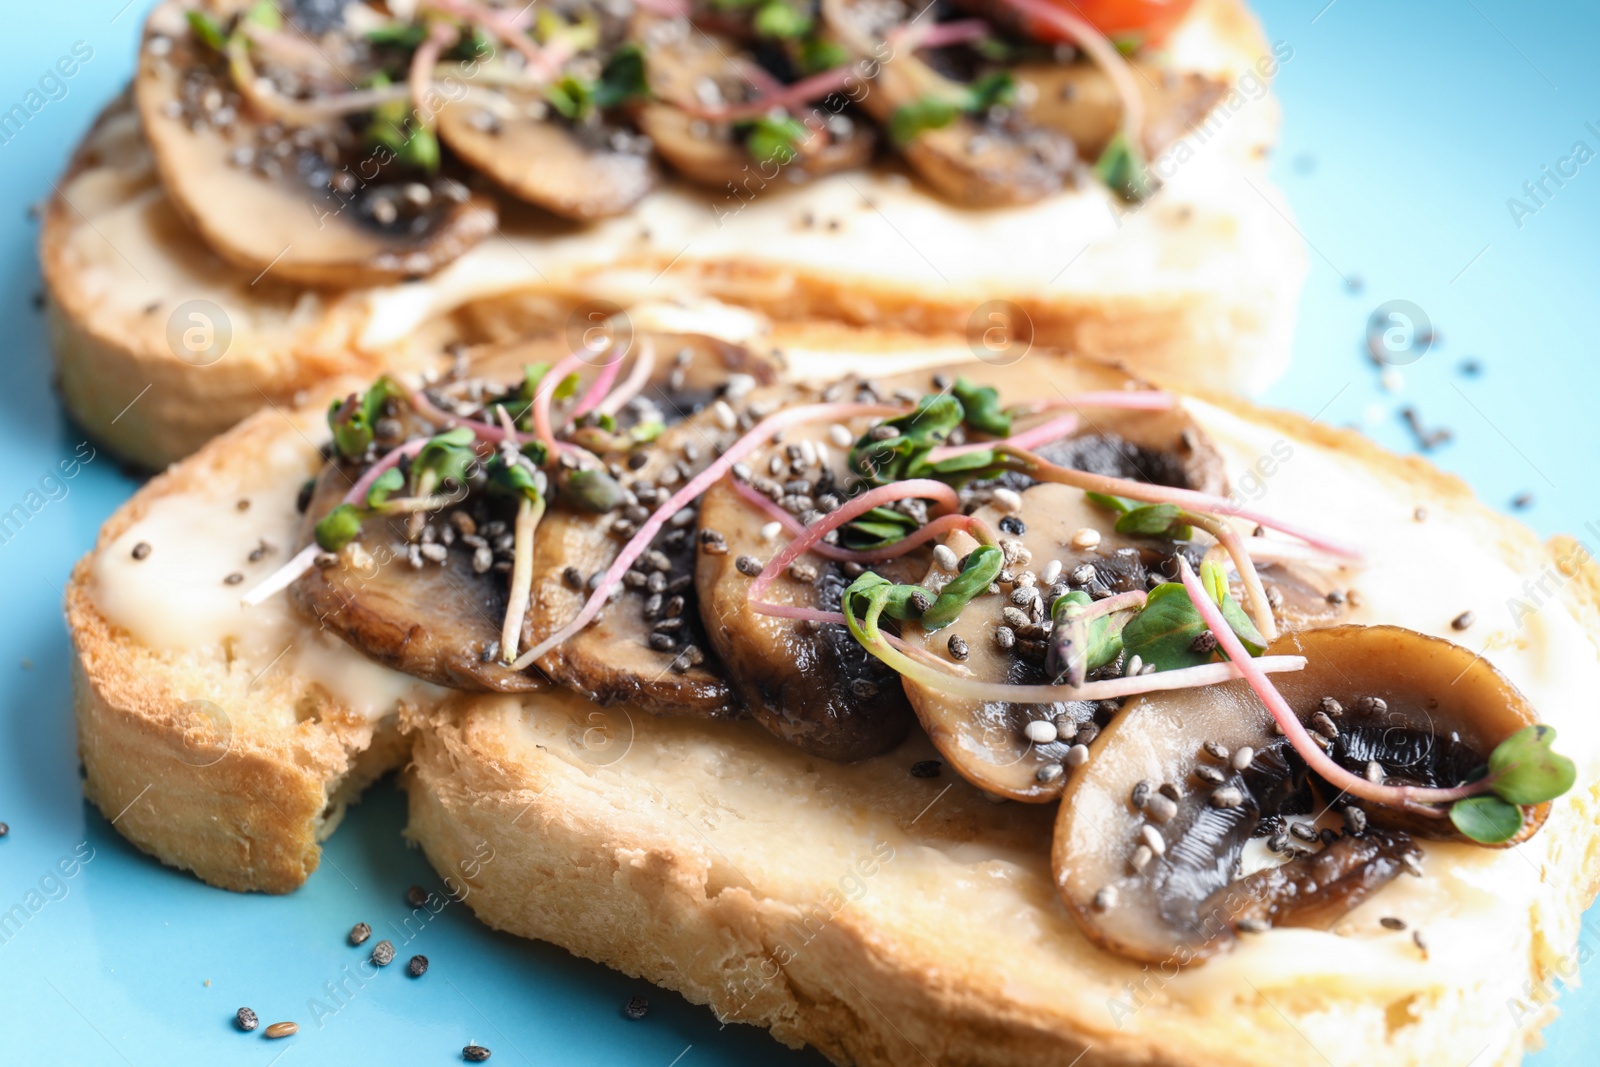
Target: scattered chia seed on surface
[475,1054]
[141,550]
[246,1019]
[359,933]
[416,896]
[418,966]
[636,1008]
[383,953]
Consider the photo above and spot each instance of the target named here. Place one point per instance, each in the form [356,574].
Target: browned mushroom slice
[580,171]
[1415,709]
[648,646]
[1077,99]
[813,686]
[1302,597]
[265,196]
[712,153]
[1004,639]
[438,620]
[1151,832]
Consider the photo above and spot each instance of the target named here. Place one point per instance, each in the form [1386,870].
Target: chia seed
[416,896]
[927,768]
[246,1020]
[383,953]
[475,1053]
[141,550]
[418,966]
[636,1008]
[359,933]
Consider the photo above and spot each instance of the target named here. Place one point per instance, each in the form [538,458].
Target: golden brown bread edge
[121,381]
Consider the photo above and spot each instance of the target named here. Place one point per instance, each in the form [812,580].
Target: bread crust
[121,378]
[173,751]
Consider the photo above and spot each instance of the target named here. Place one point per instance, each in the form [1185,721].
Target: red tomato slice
[1144,20]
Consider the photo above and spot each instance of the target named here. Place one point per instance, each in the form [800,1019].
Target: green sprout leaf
[414,144]
[1155,520]
[1121,166]
[876,528]
[622,78]
[1488,820]
[775,140]
[818,55]
[782,20]
[911,120]
[980,405]
[407,36]
[893,459]
[265,13]
[206,30]
[1164,632]
[516,479]
[1117,505]
[1076,648]
[339,527]
[995,89]
[384,486]
[447,457]
[978,570]
[1215,580]
[572,97]
[1524,769]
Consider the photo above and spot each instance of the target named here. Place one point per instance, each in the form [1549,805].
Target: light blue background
[1408,126]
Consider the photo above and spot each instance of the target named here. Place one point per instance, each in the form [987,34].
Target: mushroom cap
[577,172]
[293,224]
[1428,684]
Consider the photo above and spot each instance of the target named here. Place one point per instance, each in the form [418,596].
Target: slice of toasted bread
[160,343]
[891,919]
[882,917]
[222,741]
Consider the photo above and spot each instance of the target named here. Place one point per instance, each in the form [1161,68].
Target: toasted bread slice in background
[1198,284]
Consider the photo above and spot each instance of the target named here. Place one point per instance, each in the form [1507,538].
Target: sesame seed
[926,768]
[277,1030]
[1226,797]
[1105,898]
[1141,858]
[141,550]
[475,1053]
[1422,945]
[246,1019]
[1375,772]
[1392,922]
[1040,731]
[359,933]
[418,966]
[1420,514]
[1462,621]
[1133,666]
[1008,501]
[1153,839]
[1086,538]
[1243,756]
[1052,571]
[1076,756]
[724,415]
[945,558]
[840,436]
[1160,809]
[1413,863]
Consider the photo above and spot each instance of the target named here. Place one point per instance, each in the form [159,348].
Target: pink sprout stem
[510,27]
[790,96]
[644,364]
[1162,494]
[1124,399]
[914,35]
[420,76]
[1043,434]
[691,490]
[937,528]
[1254,593]
[1412,798]
[596,393]
[940,493]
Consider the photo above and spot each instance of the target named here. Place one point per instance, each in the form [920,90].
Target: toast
[882,916]
[1197,284]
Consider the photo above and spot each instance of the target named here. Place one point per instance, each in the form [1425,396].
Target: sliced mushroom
[582,171]
[435,621]
[988,160]
[1426,711]
[1147,850]
[307,203]
[693,75]
[1443,710]
[1079,100]
[648,647]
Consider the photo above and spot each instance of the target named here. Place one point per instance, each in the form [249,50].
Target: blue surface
[1407,129]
